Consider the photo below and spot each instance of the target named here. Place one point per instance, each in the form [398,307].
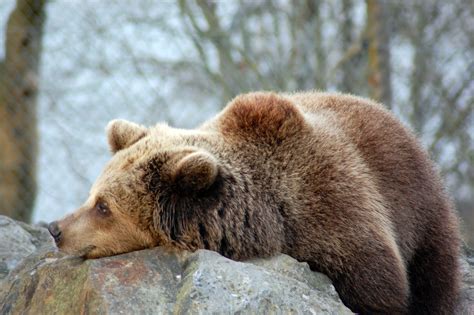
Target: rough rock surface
[159,281]
[38,280]
[19,240]
[156,281]
[466,305]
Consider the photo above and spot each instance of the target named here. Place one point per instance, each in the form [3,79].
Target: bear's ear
[122,134]
[261,116]
[196,171]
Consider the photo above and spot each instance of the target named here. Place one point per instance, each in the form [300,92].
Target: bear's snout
[55,232]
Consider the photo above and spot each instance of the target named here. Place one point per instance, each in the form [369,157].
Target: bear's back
[404,174]
[337,181]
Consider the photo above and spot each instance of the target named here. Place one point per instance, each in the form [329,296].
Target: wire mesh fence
[68,67]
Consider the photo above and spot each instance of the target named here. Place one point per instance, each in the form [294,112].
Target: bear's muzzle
[55,232]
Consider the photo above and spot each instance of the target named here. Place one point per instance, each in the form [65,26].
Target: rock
[39,280]
[466,305]
[280,284]
[18,241]
[166,281]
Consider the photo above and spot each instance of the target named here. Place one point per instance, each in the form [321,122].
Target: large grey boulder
[157,281]
[39,280]
[163,281]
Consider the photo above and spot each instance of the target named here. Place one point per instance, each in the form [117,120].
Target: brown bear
[329,179]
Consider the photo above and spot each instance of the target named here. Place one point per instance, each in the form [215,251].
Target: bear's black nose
[55,232]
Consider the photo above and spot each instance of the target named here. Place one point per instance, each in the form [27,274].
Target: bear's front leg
[370,278]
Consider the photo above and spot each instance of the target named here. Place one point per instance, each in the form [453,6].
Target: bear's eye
[102,208]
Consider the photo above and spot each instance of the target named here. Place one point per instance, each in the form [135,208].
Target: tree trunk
[348,79]
[379,52]
[320,70]
[18,94]
[419,73]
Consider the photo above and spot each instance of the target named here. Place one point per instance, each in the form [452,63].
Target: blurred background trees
[18,92]
[182,61]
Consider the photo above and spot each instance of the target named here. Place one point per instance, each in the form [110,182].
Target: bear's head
[143,195]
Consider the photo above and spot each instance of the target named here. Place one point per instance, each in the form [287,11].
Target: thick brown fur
[329,179]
